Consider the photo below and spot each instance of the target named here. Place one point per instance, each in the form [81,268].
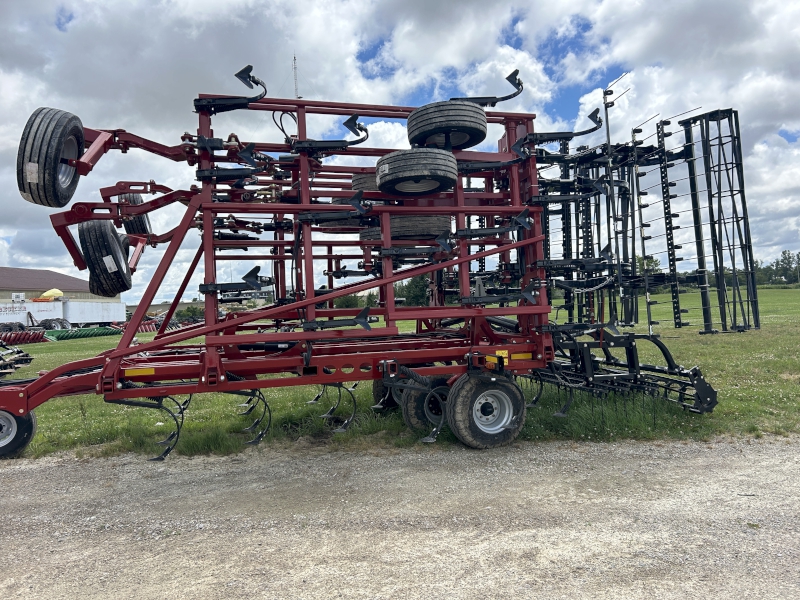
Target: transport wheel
[463,122]
[417,172]
[139,225]
[483,413]
[423,409]
[379,391]
[106,255]
[15,433]
[411,228]
[366,182]
[64,323]
[50,138]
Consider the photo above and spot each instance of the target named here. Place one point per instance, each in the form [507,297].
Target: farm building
[22,289]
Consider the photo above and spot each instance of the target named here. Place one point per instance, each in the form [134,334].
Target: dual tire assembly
[481,411]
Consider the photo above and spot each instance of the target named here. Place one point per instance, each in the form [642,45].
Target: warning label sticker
[110,264]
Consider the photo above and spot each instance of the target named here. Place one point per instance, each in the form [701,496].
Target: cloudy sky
[137,65]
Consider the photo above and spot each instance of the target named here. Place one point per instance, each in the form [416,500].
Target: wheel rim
[417,187]
[68,152]
[8,428]
[433,405]
[492,411]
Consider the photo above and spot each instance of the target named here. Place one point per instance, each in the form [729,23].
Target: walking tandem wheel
[470,227]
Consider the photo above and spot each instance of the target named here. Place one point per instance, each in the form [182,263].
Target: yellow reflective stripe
[135,372]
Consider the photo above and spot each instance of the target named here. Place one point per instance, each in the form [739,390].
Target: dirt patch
[623,520]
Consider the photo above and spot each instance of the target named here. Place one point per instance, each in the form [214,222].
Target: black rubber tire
[139,225]
[378,391]
[417,172]
[410,228]
[64,324]
[106,255]
[413,405]
[464,122]
[25,430]
[365,182]
[49,135]
[464,394]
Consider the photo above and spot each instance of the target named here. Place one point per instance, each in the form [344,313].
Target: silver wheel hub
[417,186]
[8,428]
[492,411]
[68,152]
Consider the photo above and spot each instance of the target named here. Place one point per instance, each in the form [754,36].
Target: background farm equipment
[493,243]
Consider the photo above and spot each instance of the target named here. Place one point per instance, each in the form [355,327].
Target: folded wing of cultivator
[473,228]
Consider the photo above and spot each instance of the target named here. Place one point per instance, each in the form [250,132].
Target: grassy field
[756,373]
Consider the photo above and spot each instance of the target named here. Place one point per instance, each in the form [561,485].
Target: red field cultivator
[472,226]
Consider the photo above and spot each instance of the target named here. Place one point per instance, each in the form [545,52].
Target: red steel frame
[169,366]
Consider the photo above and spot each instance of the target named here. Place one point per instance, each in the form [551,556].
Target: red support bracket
[101,142]
[133,187]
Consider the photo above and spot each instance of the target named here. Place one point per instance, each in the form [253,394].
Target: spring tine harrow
[266,412]
[349,420]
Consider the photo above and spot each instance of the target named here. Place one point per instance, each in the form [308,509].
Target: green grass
[756,374]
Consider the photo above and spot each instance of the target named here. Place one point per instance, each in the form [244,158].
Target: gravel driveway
[550,520]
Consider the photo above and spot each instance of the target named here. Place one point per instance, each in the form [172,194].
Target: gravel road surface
[550,520]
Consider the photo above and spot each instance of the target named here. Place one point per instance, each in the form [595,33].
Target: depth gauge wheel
[106,255]
[51,137]
[417,172]
[459,122]
[483,413]
[15,433]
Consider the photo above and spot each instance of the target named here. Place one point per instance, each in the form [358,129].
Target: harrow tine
[349,420]
[185,404]
[332,409]
[266,412]
[381,405]
[249,405]
[167,440]
[317,397]
[172,439]
[563,412]
[259,400]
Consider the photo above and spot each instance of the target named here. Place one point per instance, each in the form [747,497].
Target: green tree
[193,311]
[414,290]
[652,265]
[371,299]
[346,301]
